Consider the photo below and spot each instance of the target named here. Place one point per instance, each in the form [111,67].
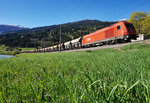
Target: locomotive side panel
[99,36]
[109,33]
[94,37]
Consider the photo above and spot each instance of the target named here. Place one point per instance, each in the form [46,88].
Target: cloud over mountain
[8,28]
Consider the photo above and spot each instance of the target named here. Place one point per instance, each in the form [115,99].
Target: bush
[6,50]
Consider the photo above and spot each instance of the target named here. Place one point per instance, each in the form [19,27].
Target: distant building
[141,37]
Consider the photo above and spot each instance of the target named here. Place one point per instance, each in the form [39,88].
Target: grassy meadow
[26,49]
[100,76]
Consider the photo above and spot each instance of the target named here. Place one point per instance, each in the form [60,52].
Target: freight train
[116,33]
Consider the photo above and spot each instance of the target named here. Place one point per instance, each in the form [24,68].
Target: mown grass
[99,76]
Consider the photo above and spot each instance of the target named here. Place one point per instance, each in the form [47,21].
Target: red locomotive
[112,34]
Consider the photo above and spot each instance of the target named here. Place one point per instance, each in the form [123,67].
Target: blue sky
[35,13]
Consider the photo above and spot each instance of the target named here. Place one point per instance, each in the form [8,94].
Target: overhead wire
[92,10]
[87,8]
[124,12]
[75,9]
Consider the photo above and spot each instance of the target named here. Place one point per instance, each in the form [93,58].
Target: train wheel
[128,40]
[109,42]
[113,41]
[90,45]
[118,40]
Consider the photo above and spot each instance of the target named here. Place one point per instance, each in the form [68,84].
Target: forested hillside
[49,35]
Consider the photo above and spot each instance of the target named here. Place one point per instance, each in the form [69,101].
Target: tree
[136,19]
[146,25]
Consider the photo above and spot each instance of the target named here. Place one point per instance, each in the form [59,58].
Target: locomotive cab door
[119,30]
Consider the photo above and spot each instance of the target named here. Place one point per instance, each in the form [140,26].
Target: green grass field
[26,49]
[101,76]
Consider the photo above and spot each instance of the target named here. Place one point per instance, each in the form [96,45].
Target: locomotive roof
[105,28]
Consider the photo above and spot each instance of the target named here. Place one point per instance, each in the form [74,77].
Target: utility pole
[34,43]
[60,40]
[140,26]
[43,44]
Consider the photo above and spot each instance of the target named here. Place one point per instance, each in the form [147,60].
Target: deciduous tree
[136,19]
[146,25]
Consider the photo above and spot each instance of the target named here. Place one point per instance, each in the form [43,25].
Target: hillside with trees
[49,35]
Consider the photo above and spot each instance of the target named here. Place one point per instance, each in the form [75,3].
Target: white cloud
[123,19]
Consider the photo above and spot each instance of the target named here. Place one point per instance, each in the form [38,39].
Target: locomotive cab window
[129,26]
[119,27]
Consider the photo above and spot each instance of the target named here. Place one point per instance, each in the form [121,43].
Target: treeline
[49,35]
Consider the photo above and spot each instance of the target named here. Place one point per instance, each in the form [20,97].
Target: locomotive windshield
[129,26]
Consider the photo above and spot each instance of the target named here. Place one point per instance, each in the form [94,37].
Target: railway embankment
[115,46]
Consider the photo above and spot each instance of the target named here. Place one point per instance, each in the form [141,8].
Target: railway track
[115,46]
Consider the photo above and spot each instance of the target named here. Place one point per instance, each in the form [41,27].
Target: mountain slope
[8,28]
[49,35]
